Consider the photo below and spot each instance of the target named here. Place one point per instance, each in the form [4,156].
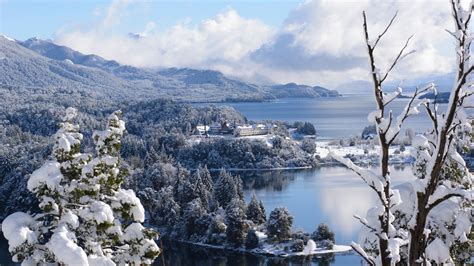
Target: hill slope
[40,63]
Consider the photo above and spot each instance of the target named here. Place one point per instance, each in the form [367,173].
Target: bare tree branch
[385,30]
[397,59]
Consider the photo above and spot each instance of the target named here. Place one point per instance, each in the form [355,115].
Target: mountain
[444,83]
[61,53]
[295,90]
[42,63]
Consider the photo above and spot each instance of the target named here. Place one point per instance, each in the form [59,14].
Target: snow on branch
[369,177]
[369,259]
[389,97]
[410,109]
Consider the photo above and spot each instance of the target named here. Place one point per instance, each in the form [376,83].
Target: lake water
[333,117]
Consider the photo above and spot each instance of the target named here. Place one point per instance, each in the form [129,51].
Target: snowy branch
[401,55]
[442,199]
[369,259]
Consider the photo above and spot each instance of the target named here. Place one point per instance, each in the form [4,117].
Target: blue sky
[22,19]
[314,42]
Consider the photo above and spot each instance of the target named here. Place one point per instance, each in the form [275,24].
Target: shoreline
[337,249]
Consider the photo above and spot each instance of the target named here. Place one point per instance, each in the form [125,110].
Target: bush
[251,240]
[308,145]
[297,245]
[323,233]
[300,235]
[305,128]
[326,244]
[369,132]
[402,147]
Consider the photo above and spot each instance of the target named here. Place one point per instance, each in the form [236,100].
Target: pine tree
[236,227]
[203,187]
[279,224]
[228,187]
[192,213]
[87,217]
[256,211]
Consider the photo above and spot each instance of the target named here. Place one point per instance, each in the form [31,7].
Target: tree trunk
[417,236]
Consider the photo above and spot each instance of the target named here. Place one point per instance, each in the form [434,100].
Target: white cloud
[320,42]
[227,37]
[326,39]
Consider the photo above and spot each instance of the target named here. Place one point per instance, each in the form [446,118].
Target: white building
[202,130]
[252,130]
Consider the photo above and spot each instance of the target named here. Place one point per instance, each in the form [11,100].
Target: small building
[201,130]
[252,130]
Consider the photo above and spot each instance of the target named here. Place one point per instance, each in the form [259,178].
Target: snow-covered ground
[195,139]
[324,147]
[268,248]
[282,249]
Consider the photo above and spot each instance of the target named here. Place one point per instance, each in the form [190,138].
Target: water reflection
[329,195]
[184,254]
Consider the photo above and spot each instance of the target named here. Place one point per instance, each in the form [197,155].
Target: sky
[317,42]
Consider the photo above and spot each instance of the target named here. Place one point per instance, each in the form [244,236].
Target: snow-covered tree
[251,240]
[217,227]
[203,186]
[235,220]
[190,219]
[228,187]
[427,220]
[87,218]
[279,224]
[164,211]
[256,211]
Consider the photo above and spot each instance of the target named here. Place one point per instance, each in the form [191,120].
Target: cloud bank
[319,43]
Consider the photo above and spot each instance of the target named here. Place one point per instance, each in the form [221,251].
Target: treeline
[246,154]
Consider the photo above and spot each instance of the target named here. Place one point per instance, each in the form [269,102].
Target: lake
[333,117]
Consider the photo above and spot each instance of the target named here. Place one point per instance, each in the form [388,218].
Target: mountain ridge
[57,65]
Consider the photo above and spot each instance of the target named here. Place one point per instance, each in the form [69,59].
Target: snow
[71,113]
[49,174]
[310,246]
[394,245]
[127,196]
[387,98]
[110,160]
[65,250]
[99,261]
[70,219]
[420,141]
[368,176]
[438,252]
[68,61]
[16,229]
[8,38]
[372,117]
[99,212]
[133,231]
